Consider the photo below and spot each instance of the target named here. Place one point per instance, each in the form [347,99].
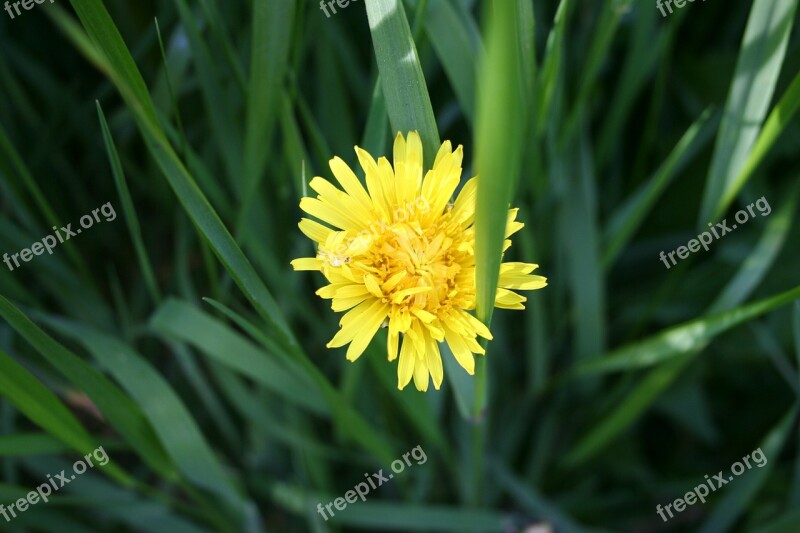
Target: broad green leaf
[214,339]
[497,156]
[580,228]
[177,430]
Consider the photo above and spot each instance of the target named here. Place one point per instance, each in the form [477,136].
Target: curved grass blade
[758,262]
[346,417]
[627,218]
[45,410]
[776,123]
[681,339]
[227,137]
[757,69]
[674,349]
[122,413]
[171,420]
[126,76]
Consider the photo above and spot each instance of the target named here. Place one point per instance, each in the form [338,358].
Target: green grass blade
[457,50]
[636,402]
[35,191]
[498,156]
[184,322]
[673,350]
[794,497]
[528,498]
[177,430]
[628,218]
[739,496]
[681,339]
[126,76]
[128,209]
[272,25]
[376,132]
[550,79]
[407,99]
[776,123]
[45,410]
[25,444]
[763,256]
[757,69]
[219,109]
[579,227]
[120,412]
[394,516]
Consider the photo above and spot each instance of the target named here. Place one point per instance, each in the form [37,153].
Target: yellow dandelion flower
[400,255]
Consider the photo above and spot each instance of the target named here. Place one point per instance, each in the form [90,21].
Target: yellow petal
[434,361]
[375,183]
[421,374]
[307,263]
[349,182]
[405,368]
[460,350]
[391,343]
[330,214]
[464,206]
[314,230]
[506,299]
[370,322]
[350,323]
[342,201]
[372,286]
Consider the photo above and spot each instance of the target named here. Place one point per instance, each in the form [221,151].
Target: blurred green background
[177,337]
